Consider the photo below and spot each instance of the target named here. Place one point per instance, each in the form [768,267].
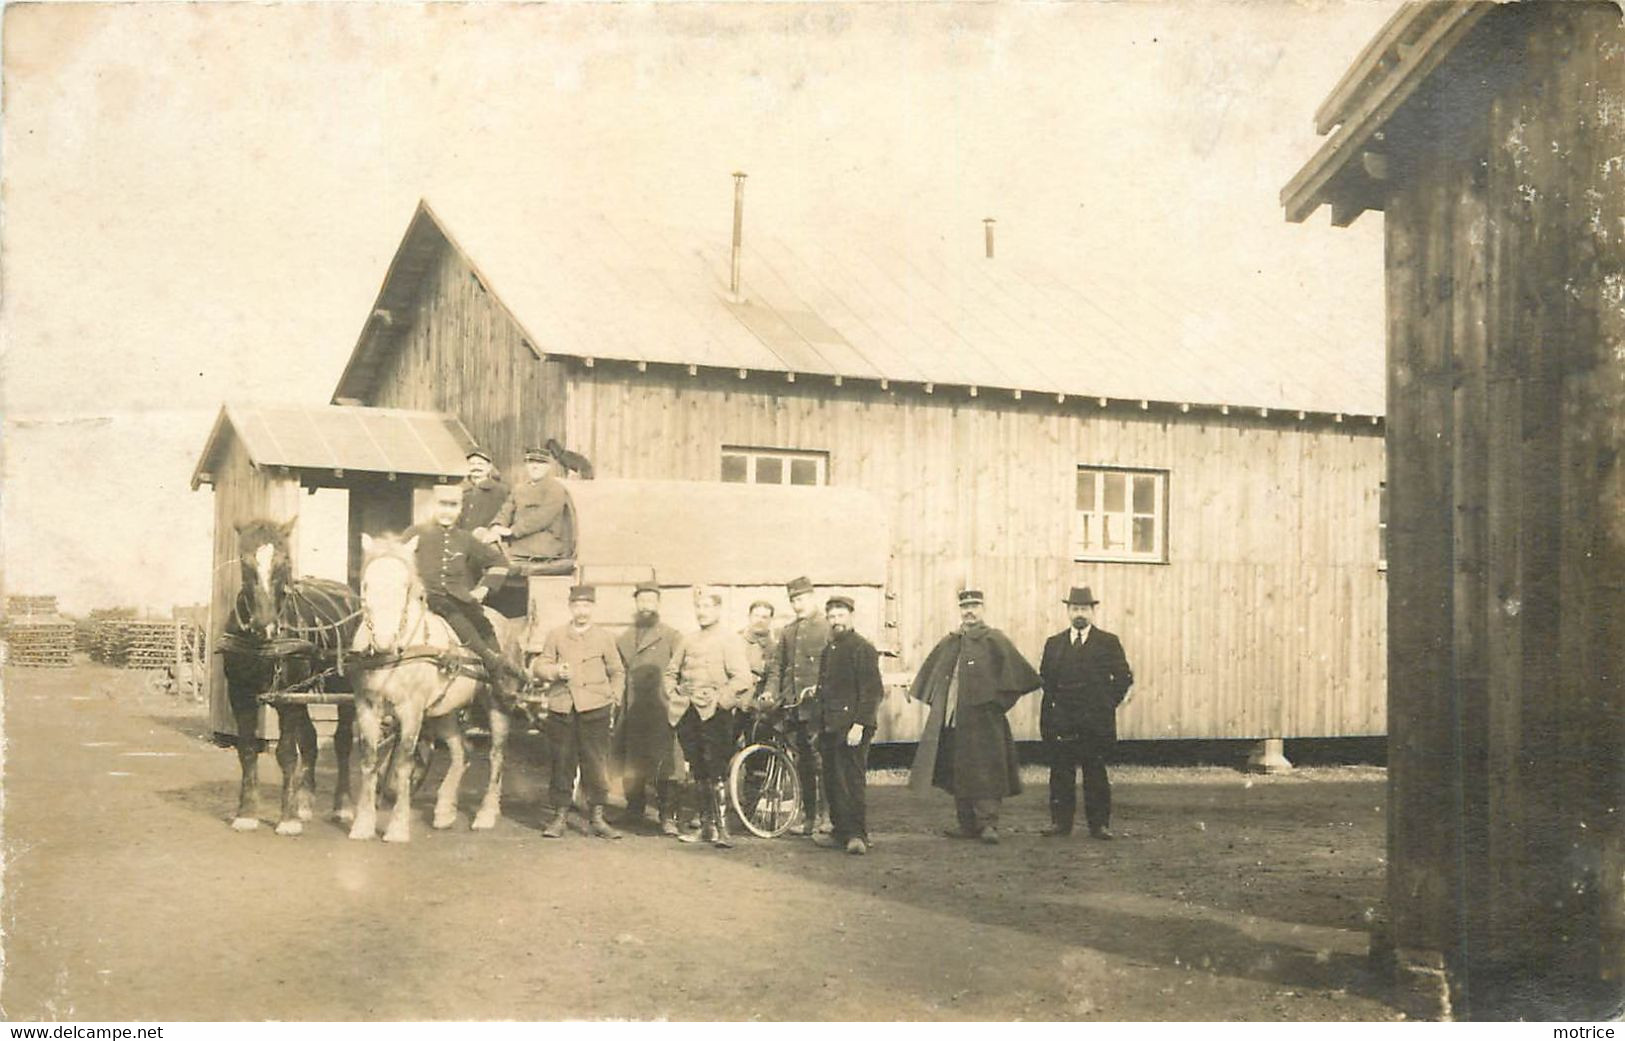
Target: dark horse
[284,632]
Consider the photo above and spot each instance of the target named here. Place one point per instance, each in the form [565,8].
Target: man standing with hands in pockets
[1086,677]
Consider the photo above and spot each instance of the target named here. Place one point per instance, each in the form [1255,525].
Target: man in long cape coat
[645,744]
[970,679]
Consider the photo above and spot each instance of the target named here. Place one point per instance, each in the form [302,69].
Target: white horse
[402,646]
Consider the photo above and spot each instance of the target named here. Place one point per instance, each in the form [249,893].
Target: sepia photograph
[885,512]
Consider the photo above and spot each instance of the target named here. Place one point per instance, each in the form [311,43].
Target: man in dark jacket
[800,646]
[533,516]
[849,694]
[970,679]
[483,495]
[645,741]
[1086,677]
[458,572]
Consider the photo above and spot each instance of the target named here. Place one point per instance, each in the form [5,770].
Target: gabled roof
[1349,168]
[332,437]
[867,308]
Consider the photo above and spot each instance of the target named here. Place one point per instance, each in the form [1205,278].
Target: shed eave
[1387,73]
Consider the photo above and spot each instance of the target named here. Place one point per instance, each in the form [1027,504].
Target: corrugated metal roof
[336,437]
[698,532]
[863,307]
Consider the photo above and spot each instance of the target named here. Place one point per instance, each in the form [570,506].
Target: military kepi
[970,596]
[537,455]
[841,601]
[478,453]
[587,593]
[647,587]
[798,586]
[1080,597]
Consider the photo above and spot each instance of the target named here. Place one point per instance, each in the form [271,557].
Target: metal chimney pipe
[987,223]
[739,228]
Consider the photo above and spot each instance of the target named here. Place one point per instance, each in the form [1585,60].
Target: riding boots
[719,813]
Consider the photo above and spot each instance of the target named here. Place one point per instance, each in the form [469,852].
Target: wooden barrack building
[1024,433]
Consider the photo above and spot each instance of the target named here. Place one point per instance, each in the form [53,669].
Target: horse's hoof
[244,824]
[305,813]
[485,820]
[364,832]
[444,821]
[293,827]
[397,834]
[344,815]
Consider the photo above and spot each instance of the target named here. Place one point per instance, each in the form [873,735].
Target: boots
[707,830]
[670,807]
[719,814]
[555,827]
[600,826]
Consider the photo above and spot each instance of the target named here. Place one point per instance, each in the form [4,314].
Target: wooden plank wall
[1506,295]
[242,492]
[460,353]
[1269,620]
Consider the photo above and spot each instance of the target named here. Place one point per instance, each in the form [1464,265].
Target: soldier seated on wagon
[458,572]
[534,517]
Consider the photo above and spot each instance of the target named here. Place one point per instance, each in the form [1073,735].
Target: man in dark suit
[849,695]
[1086,677]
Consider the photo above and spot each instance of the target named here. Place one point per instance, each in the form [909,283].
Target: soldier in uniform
[484,492]
[458,572]
[533,515]
[762,652]
[645,741]
[971,679]
[705,680]
[588,680]
[849,694]
[1086,678]
[800,645]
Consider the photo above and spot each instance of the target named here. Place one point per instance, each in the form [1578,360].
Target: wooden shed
[1492,138]
[263,461]
[1019,430]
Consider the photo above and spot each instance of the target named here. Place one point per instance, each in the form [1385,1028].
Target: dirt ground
[127,897]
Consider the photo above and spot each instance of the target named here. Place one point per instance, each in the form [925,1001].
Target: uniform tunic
[801,645]
[481,501]
[709,672]
[535,512]
[597,676]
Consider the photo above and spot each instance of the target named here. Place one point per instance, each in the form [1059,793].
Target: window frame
[787,458]
[1162,479]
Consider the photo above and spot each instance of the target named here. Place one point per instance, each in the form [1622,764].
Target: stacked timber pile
[137,643]
[105,642]
[30,607]
[36,636]
[158,644]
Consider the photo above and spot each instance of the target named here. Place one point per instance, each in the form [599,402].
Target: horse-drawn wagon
[290,637]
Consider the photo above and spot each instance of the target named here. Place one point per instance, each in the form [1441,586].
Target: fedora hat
[1080,597]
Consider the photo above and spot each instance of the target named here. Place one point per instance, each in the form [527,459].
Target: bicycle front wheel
[764,789]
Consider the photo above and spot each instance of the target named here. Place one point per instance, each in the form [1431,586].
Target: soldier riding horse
[285,633]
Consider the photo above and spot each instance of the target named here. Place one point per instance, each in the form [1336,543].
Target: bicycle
[764,785]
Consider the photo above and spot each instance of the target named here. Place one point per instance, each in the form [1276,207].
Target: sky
[198,201]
